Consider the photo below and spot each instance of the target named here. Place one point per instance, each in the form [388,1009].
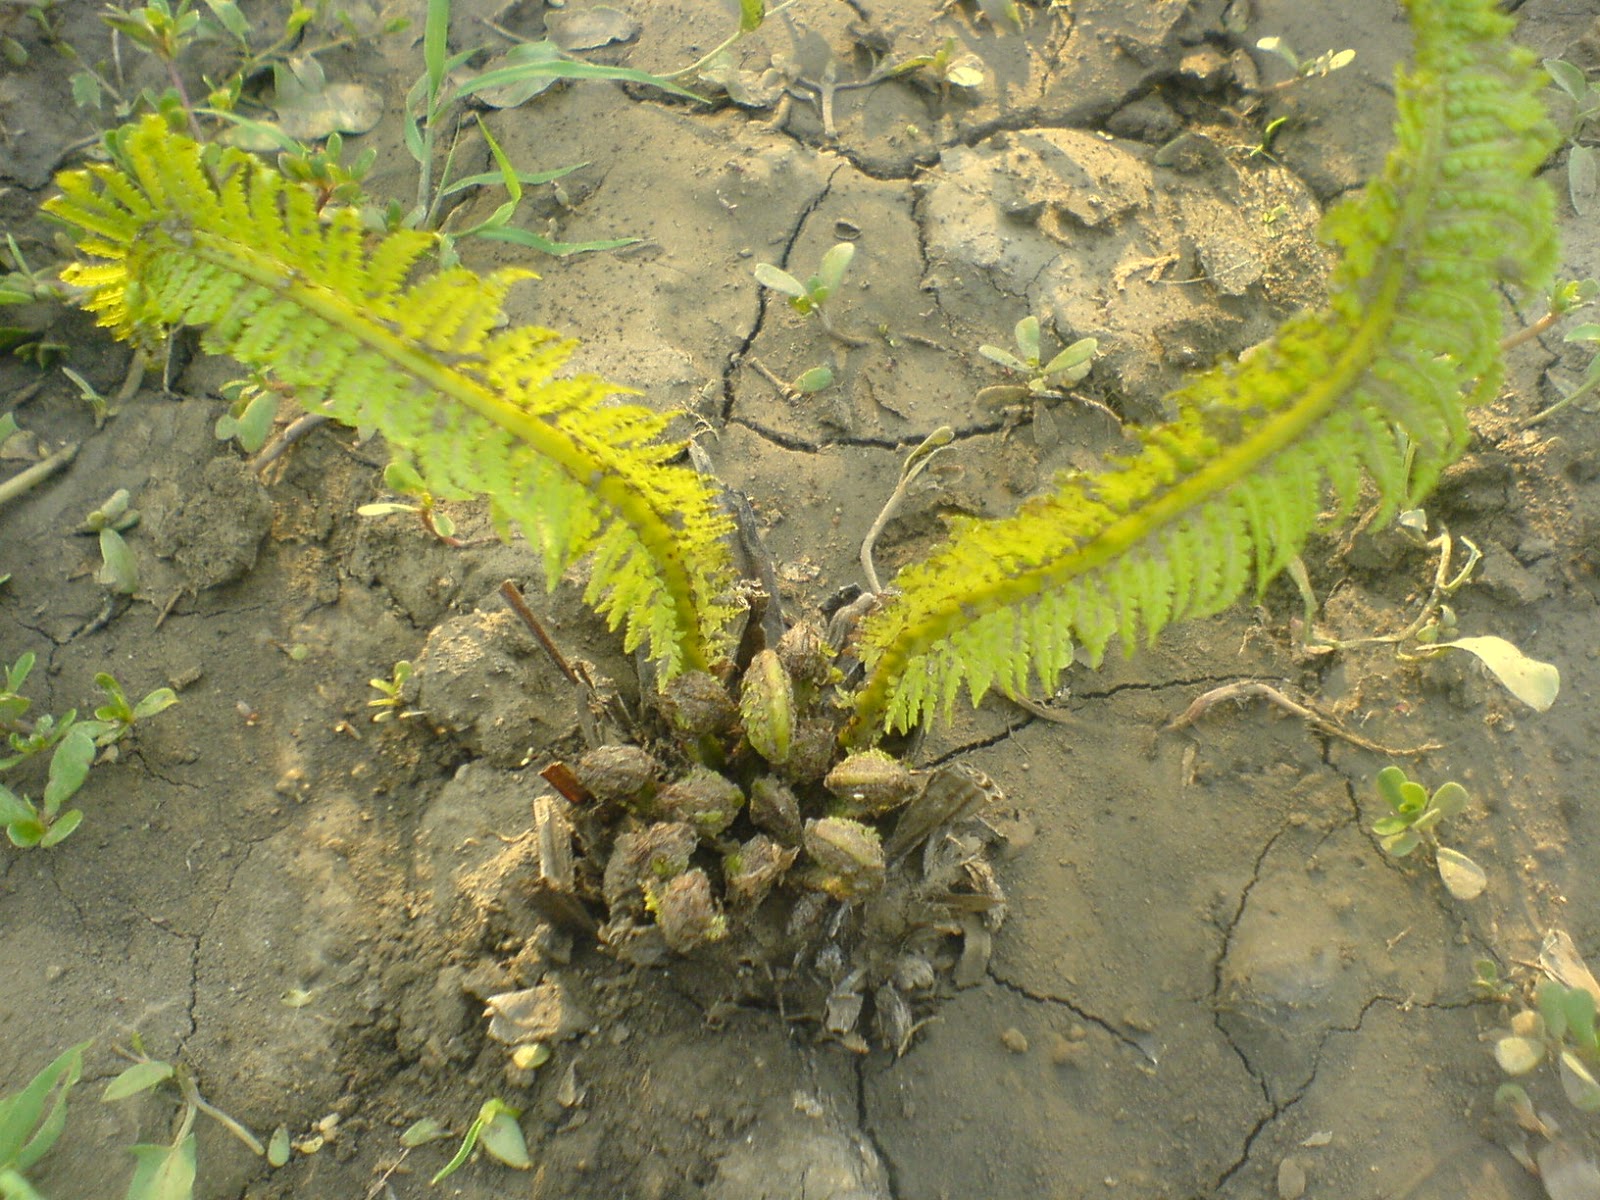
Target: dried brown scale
[751,872]
[811,751]
[705,799]
[847,856]
[774,809]
[618,774]
[871,784]
[645,857]
[805,654]
[697,705]
[687,912]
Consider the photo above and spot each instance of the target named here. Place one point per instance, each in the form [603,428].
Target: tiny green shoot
[496,1128]
[1319,67]
[391,700]
[1560,1028]
[1413,817]
[32,1119]
[1052,378]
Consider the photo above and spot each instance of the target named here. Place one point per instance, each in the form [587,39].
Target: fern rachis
[211,237]
[1375,384]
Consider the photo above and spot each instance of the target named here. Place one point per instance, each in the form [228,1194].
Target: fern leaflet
[1376,384]
[180,233]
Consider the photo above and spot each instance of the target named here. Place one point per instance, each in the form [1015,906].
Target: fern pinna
[210,236]
[1376,384]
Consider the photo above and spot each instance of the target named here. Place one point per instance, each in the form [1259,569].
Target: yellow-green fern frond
[1376,384]
[180,233]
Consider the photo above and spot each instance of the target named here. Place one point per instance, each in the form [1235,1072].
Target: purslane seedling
[809,298]
[1414,817]
[1560,1028]
[1052,378]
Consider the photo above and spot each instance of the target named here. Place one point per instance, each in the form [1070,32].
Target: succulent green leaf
[140,1077]
[1579,1083]
[163,1172]
[1005,358]
[1551,997]
[779,280]
[1389,782]
[61,828]
[32,1119]
[830,273]
[1579,1007]
[1449,800]
[1463,878]
[69,767]
[503,1141]
[1027,338]
[1518,1055]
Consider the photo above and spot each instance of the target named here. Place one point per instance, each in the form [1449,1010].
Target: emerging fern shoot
[180,233]
[1375,385]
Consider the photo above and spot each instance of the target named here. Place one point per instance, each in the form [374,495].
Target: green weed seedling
[810,297]
[1322,65]
[391,701]
[400,476]
[167,1171]
[944,69]
[252,408]
[73,745]
[118,569]
[496,1129]
[1560,1028]
[1040,379]
[20,287]
[31,1120]
[1413,818]
[1583,167]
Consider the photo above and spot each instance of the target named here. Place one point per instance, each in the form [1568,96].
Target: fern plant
[181,233]
[1374,386]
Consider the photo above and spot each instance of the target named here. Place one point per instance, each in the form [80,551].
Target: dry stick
[916,462]
[1248,688]
[513,598]
[297,429]
[40,471]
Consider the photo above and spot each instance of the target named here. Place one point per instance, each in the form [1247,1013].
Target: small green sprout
[943,68]
[496,1128]
[1486,978]
[1559,1029]
[252,408]
[167,1171]
[1323,65]
[119,571]
[324,173]
[391,703]
[44,825]
[31,1120]
[1040,379]
[1583,166]
[810,382]
[400,476]
[73,745]
[1413,817]
[809,297]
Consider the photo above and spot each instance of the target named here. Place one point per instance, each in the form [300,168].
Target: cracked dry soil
[1209,966]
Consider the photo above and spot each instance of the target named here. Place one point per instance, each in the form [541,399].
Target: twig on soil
[296,430]
[916,462]
[512,595]
[1250,688]
[38,473]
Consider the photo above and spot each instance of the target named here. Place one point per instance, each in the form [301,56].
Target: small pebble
[1067,1053]
[1291,1180]
[1014,1040]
